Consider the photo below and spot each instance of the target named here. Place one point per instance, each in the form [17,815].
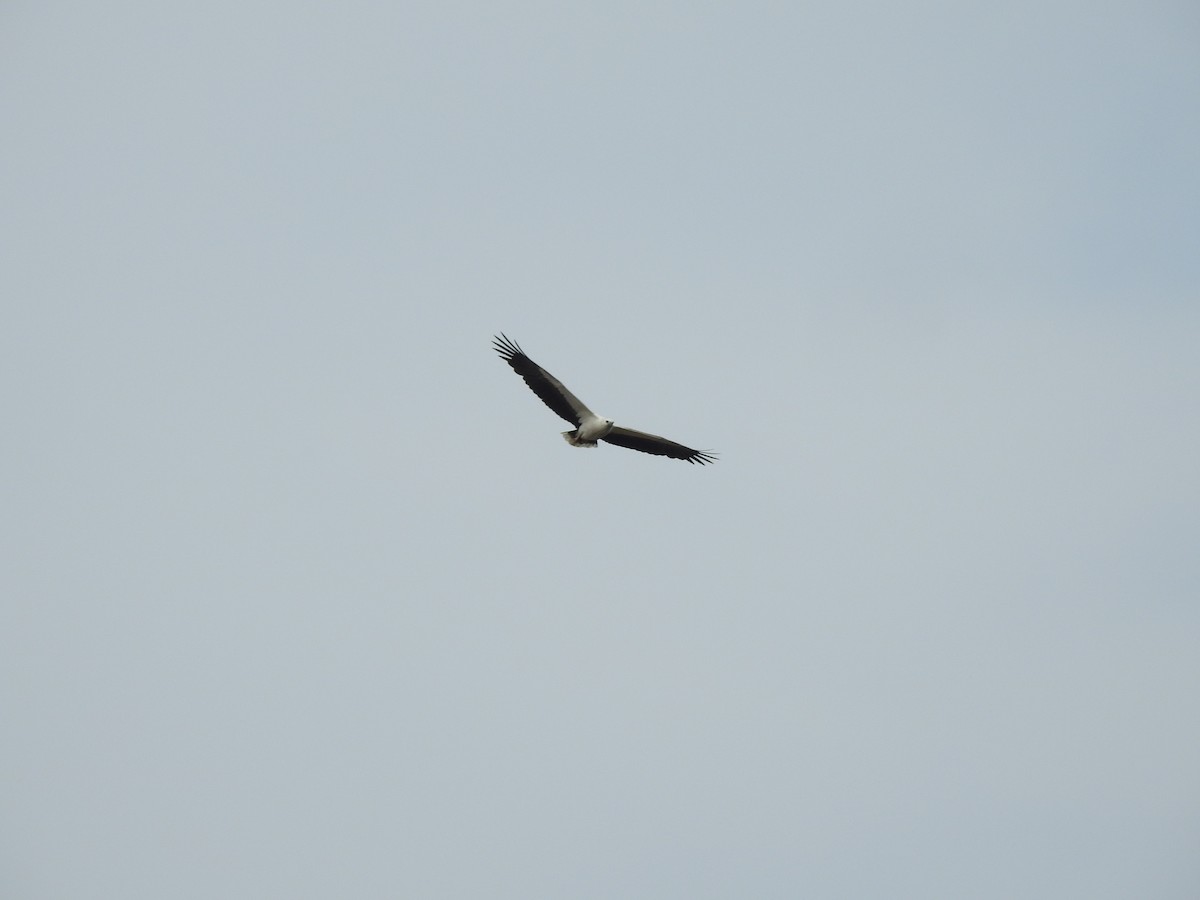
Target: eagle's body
[589,427]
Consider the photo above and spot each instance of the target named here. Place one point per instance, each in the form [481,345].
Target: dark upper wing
[541,382]
[659,446]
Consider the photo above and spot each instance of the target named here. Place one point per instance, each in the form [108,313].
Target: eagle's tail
[571,438]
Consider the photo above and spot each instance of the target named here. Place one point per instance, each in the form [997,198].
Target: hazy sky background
[304,597]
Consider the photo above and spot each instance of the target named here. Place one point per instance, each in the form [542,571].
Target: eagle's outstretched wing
[659,446]
[542,383]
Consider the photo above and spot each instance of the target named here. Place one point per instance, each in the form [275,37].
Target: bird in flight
[589,427]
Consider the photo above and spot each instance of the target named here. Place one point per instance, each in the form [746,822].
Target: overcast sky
[303,595]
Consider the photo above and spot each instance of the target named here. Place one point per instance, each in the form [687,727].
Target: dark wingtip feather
[506,347]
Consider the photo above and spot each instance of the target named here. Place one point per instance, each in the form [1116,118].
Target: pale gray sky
[304,597]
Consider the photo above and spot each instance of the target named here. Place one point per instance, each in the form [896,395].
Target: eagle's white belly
[590,430]
[594,428]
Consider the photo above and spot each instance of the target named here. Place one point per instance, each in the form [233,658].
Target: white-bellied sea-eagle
[589,427]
